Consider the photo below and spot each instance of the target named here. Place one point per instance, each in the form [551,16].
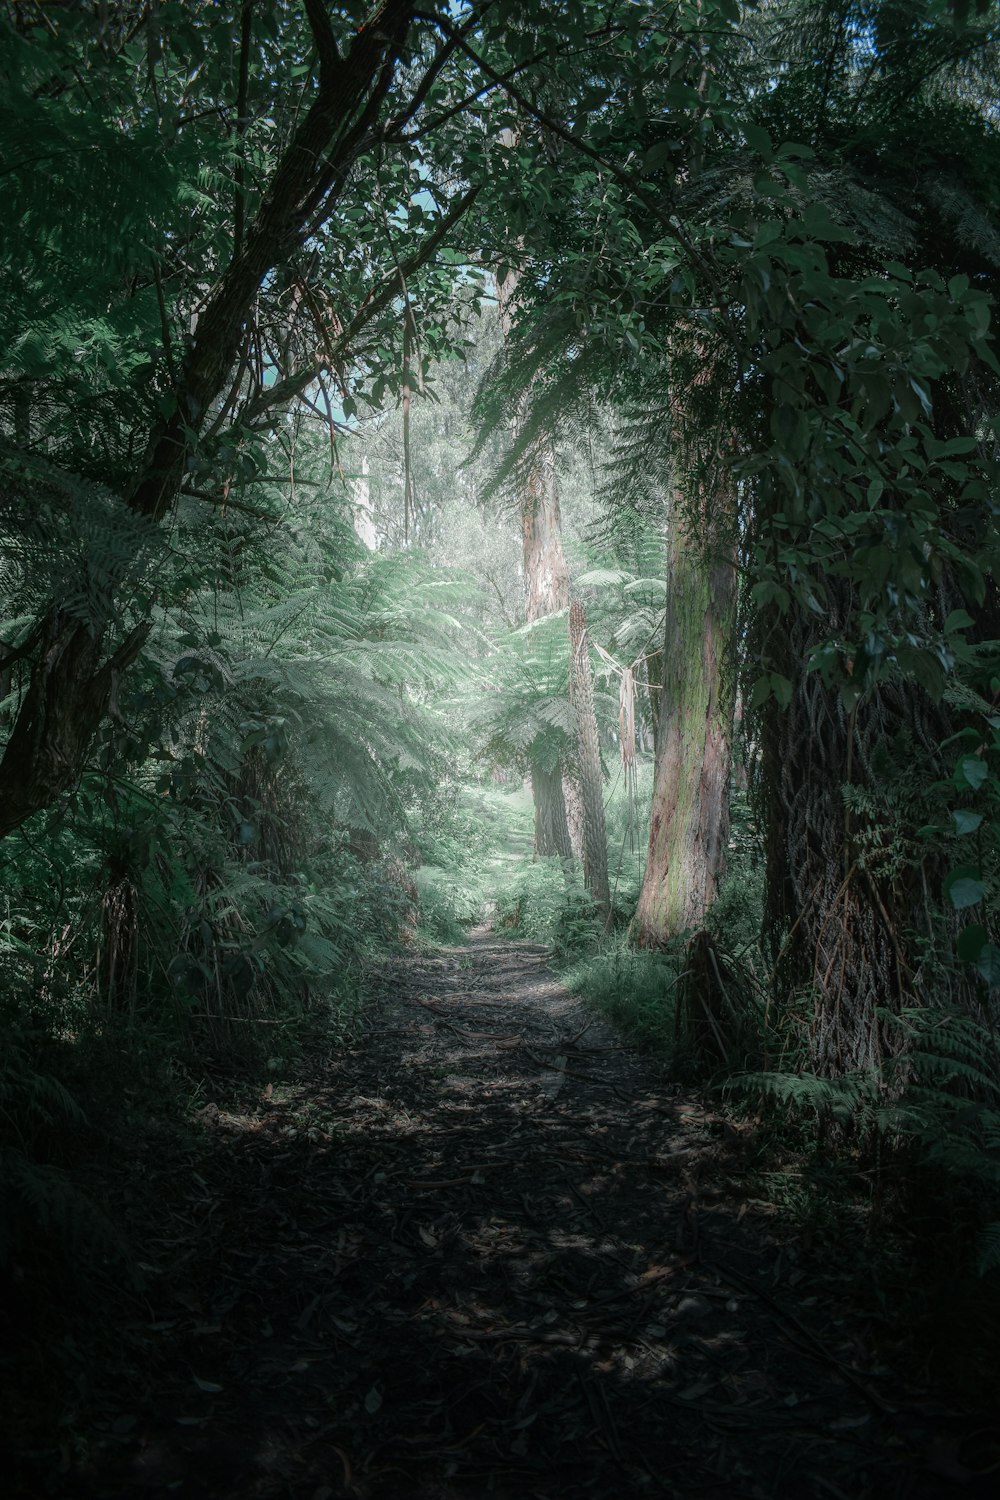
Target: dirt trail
[489,1253]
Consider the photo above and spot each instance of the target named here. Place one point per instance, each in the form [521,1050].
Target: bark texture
[690,815]
[654,684]
[551,828]
[546,576]
[573,798]
[844,900]
[595,837]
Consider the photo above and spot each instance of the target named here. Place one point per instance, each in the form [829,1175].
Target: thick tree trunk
[690,815]
[595,837]
[841,919]
[70,690]
[551,829]
[546,576]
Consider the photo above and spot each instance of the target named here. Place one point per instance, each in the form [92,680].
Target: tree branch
[312,171]
[293,385]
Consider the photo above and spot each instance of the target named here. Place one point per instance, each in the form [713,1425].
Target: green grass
[634,988]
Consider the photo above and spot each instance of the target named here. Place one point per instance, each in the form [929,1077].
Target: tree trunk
[595,837]
[573,798]
[361,508]
[654,685]
[551,829]
[841,920]
[546,576]
[546,588]
[546,585]
[68,694]
[690,817]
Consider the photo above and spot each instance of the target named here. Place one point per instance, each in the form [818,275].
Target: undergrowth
[634,988]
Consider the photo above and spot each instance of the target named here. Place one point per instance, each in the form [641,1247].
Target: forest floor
[487,1252]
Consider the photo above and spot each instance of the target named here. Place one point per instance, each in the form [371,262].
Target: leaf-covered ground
[489,1252]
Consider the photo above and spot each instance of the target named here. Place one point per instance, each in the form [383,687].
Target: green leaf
[988,963]
[965,891]
[767,233]
[759,141]
[659,155]
[760,692]
[966,821]
[971,771]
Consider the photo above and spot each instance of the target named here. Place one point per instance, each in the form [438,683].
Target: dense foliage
[270,693]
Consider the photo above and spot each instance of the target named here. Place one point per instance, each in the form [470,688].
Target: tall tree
[546,583]
[595,837]
[788,224]
[689,825]
[858,604]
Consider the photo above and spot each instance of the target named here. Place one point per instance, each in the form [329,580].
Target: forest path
[490,1252]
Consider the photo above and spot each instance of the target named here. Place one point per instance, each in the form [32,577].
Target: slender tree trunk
[546,587]
[595,837]
[690,817]
[361,508]
[654,685]
[573,798]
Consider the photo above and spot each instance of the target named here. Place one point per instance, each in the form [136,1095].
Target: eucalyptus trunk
[690,814]
[573,799]
[595,836]
[654,687]
[546,589]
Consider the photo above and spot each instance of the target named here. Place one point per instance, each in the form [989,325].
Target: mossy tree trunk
[690,814]
[595,837]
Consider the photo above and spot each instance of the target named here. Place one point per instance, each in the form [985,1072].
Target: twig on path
[569,1072]
[816,1348]
[461,1033]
